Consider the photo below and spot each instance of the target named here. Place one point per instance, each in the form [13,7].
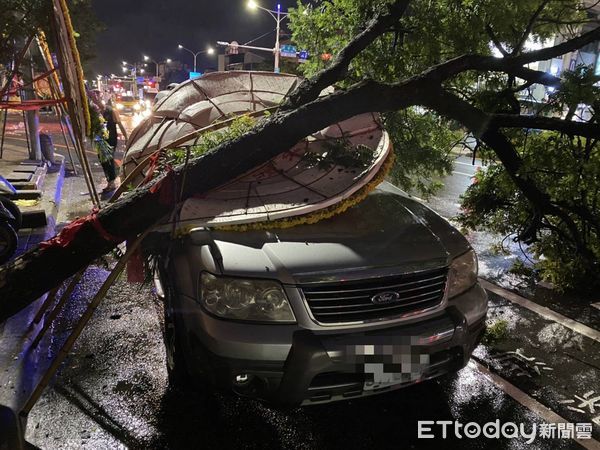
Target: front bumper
[292,366]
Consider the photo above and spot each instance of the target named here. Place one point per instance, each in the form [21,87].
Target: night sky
[155,27]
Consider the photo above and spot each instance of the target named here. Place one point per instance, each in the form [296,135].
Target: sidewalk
[64,197]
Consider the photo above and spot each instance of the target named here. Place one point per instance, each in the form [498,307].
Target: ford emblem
[385,297]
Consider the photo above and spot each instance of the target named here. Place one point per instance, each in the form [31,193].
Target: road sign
[302,56]
[233,48]
[288,51]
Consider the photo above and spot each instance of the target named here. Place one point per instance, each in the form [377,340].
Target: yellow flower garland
[47,55]
[75,53]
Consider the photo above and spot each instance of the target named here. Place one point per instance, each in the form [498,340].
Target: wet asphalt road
[112,392]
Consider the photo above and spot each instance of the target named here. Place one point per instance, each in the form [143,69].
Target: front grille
[351,301]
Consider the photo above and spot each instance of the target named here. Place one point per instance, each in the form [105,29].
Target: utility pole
[277,50]
[278,16]
[32,118]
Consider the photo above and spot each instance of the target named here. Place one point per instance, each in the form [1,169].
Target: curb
[22,364]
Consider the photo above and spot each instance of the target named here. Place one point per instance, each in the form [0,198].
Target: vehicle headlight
[462,274]
[119,105]
[137,106]
[245,299]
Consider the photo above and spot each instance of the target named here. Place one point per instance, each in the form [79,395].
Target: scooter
[10,221]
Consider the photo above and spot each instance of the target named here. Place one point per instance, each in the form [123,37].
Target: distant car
[162,94]
[379,297]
[128,104]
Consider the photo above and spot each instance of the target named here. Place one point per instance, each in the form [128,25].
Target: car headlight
[137,106]
[119,105]
[245,299]
[462,274]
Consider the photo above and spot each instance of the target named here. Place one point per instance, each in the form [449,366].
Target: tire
[15,211]
[8,242]
[176,367]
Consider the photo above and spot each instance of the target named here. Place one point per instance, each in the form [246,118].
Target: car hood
[380,236]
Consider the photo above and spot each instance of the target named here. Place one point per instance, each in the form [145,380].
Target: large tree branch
[519,45]
[309,89]
[482,125]
[481,63]
[495,40]
[557,50]
[272,137]
[590,130]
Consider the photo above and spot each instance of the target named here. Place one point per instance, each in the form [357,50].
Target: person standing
[107,158]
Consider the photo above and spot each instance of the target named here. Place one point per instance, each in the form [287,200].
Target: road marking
[532,404]
[470,175]
[56,145]
[465,164]
[25,140]
[543,311]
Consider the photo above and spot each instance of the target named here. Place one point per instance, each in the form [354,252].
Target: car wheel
[8,242]
[176,367]
[15,211]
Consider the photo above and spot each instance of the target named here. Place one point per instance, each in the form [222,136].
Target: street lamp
[129,67]
[147,58]
[208,51]
[133,67]
[278,16]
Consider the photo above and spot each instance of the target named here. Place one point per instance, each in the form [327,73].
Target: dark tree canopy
[514,98]
[21,19]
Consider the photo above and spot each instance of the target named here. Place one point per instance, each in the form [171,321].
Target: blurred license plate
[393,370]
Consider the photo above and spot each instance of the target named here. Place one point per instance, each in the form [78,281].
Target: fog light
[248,385]
[242,378]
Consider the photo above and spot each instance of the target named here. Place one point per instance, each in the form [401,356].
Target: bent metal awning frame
[276,191]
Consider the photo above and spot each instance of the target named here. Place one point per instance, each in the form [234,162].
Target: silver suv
[377,298]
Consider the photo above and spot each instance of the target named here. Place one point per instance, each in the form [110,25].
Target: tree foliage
[21,19]
[569,168]
[87,27]
[432,33]
[422,142]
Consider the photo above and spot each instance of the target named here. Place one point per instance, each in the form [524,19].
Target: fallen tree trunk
[133,214]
